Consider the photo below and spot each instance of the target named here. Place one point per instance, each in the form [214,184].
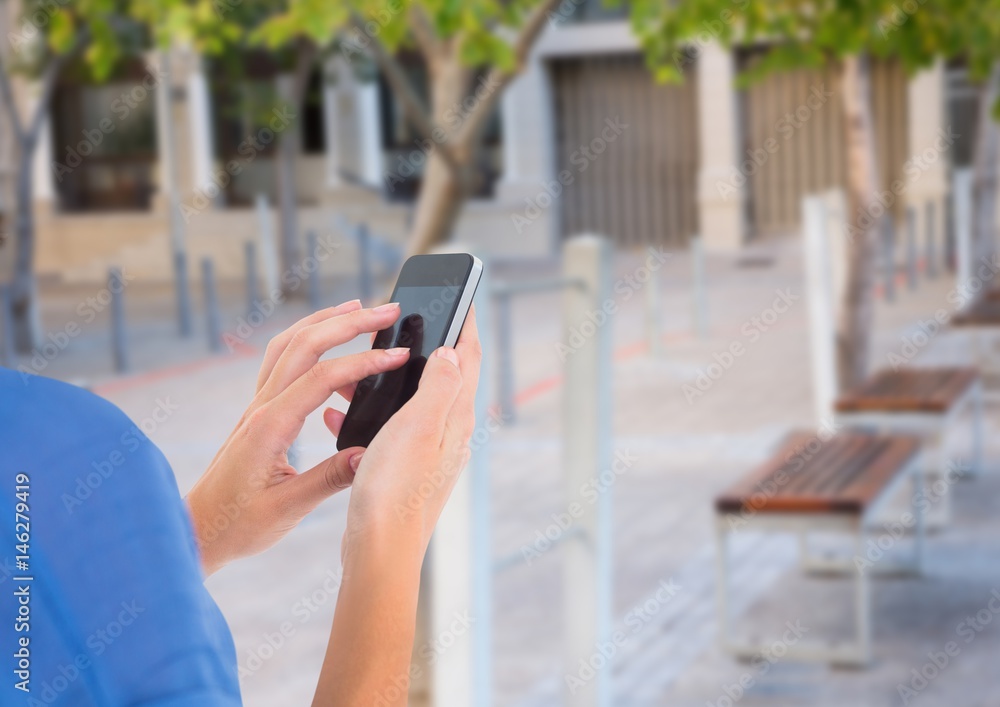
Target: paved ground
[686,452]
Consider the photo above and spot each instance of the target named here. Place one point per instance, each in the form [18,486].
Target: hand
[250,496]
[408,472]
[401,486]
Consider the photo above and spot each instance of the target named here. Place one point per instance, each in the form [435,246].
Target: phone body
[435,294]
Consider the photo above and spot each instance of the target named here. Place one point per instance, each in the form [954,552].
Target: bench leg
[977,430]
[722,581]
[919,529]
[862,608]
[939,514]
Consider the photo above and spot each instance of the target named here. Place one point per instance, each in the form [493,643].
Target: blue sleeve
[118,611]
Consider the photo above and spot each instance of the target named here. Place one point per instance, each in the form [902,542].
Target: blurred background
[787,199]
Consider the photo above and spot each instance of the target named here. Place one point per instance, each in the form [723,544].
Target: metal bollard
[588,561]
[911,247]
[212,316]
[505,358]
[654,313]
[253,293]
[365,264]
[315,294]
[119,345]
[930,216]
[950,257]
[9,351]
[889,258]
[183,285]
[698,276]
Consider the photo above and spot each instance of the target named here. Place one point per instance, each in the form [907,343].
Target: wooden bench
[982,319]
[838,484]
[923,402]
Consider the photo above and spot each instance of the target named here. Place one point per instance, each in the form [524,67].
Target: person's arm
[401,486]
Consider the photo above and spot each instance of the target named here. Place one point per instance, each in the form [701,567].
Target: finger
[439,387]
[290,408]
[347,392]
[334,420]
[310,343]
[277,345]
[307,489]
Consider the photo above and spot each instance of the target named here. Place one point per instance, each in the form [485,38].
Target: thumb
[331,476]
[440,384]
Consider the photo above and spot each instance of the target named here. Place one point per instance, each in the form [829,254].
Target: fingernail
[386,307]
[400,351]
[355,461]
[449,355]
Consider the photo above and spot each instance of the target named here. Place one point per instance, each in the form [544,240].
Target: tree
[50,36]
[844,34]
[472,51]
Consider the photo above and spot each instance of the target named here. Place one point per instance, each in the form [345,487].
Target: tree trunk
[444,187]
[864,209]
[25,312]
[291,248]
[984,184]
[441,198]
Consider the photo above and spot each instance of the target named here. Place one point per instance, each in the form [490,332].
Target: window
[104,148]
[405,149]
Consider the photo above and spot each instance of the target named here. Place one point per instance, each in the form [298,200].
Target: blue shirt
[109,606]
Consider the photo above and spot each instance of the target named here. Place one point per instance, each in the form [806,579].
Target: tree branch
[497,80]
[423,33]
[49,79]
[7,95]
[413,107]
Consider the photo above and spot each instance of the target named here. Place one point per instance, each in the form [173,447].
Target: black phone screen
[426,315]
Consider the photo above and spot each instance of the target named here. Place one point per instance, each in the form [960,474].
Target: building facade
[585,140]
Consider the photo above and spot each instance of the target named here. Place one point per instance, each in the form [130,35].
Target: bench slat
[910,390]
[842,474]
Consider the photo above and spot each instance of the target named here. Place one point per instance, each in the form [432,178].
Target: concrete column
[720,214]
[200,130]
[526,113]
[331,79]
[927,117]
[369,120]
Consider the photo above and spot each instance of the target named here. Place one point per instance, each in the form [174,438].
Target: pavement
[686,448]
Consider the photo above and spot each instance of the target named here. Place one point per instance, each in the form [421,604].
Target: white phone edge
[464,302]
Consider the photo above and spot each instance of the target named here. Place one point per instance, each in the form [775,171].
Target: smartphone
[434,293]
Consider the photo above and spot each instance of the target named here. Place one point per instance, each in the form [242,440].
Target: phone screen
[426,314]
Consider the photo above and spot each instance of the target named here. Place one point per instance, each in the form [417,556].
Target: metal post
[269,251]
[505,357]
[116,286]
[315,296]
[364,264]
[822,321]
[911,247]
[964,249]
[931,226]
[587,603]
[700,286]
[212,316]
[478,473]
[9,351]
[949,231]
[889,258]
[183,286]
[253,294]
[654,313]
[457,577]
